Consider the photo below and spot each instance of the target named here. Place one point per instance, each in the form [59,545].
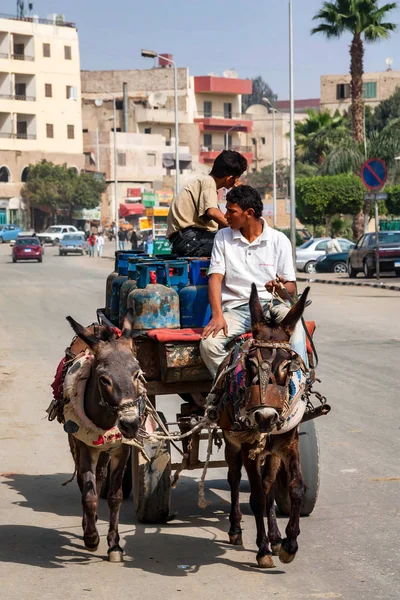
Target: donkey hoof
[92,543]
[236,539]
[115,555]
[285,556]
[276,548]
[265,562]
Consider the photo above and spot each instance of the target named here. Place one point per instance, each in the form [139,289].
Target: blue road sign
[374,174]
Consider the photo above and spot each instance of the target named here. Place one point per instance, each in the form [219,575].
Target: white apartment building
[40,102]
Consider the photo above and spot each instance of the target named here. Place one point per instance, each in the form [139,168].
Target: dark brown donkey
[267,367]
[114,396]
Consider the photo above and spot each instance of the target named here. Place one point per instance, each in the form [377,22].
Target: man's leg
[298,339]
[213,350]
[193,242]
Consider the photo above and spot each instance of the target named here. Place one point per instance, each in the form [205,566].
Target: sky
[212,36]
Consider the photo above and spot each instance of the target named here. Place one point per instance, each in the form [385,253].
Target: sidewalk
[387,282]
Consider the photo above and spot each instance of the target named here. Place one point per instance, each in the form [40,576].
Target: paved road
[348,547]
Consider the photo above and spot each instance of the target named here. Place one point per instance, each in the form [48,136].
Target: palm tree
[365,21]
[318,135]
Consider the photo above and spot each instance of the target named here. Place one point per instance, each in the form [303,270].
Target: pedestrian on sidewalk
[92,244]
[333,245]
[121,238]
[100,245]
[134,240]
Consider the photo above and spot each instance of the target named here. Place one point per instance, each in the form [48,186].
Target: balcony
[59,22]
[209,153]
[17,97]
[22,57]
[4,55]
[222,121]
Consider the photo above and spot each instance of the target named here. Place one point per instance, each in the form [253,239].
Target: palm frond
[346,157]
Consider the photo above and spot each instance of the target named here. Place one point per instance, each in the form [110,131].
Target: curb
[381,286]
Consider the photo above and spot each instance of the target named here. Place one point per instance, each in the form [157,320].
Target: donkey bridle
[115,410]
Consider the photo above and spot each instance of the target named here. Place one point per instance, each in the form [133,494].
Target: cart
[173,367]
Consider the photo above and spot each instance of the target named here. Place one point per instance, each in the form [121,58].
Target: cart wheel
[152,481]
[309,460]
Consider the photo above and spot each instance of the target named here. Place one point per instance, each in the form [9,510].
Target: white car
[310,251]
[55,233]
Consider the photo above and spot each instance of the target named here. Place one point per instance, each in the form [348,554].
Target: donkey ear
[295,313]
[85,335]
[256,310]
[127,325]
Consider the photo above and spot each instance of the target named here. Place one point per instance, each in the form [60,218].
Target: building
[209,119]
[336,91]
[300,106]
[262,136]
[40,102]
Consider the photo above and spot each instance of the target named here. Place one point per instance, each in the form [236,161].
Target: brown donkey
[114,396]
[251,416]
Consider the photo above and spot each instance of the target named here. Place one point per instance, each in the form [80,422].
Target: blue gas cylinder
[178,273]
[122,276]
[195,310]
[154,302]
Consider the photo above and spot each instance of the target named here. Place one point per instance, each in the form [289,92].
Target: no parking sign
[374,174]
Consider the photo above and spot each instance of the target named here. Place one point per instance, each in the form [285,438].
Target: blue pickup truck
[73,243]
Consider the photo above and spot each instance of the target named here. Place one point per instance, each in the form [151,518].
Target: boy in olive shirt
[194,217]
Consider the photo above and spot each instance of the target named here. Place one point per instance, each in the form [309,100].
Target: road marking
[348,471]
[386,479]
[326,595]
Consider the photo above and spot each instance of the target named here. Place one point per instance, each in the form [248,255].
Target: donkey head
[119,378]
[279,358]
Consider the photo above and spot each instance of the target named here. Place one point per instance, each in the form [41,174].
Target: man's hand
[274,285]
[278,286]
[216,325]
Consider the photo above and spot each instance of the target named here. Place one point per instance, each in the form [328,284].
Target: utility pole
[292,140]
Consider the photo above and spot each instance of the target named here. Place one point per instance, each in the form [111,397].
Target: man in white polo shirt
[247,252]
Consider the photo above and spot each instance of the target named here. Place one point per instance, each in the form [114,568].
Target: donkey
[268,368]
[114,396]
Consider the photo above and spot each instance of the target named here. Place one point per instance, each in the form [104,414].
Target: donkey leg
[234,461]
[257,503]
[87,479]
[102,470]
[119,459]
[297,490]
[271,467]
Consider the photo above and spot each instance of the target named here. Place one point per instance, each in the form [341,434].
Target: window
[321,247]
[71,132]
[67,53]
[263,141]
[121,159]
[167,135]
[229,142]
[253,141]
[49,130]
[46,50]
[151,159]
[227,110]
[20,91]
[119,104]
[118,129]
[85,130]
[343,91]
[48,90]
[207,109]
[22,130]
[370,90]
[68,91]
[208,140]
[147,130]
[19,49]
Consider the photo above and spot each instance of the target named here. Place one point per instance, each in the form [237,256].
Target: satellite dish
[157,100]
[98,102]
[389,62]
[213,75]
[230,74]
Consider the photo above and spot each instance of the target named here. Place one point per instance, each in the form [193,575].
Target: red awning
[126,210]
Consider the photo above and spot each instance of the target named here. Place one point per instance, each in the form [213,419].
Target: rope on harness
[202,502]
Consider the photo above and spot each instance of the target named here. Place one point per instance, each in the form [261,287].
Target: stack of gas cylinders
[163,292]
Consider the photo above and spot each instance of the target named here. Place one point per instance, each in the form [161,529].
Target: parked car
[74,243]
[332,263]
[55,233]
[27,248]
[8,233]
[310,251]
[362,259]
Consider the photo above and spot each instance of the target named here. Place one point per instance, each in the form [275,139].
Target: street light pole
[292,139]
[152,54]
[267,101]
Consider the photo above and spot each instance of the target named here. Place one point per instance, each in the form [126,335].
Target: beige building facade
[40,101]
[336,91]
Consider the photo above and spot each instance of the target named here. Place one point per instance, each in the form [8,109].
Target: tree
[261,90]
[57,186]
[385,112]
[319,198]
[365,21]
[263,180]
[317,135]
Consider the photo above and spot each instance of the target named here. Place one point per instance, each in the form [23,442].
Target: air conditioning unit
[60,19]
[73,93]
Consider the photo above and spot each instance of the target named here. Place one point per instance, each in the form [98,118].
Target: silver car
[307,254]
